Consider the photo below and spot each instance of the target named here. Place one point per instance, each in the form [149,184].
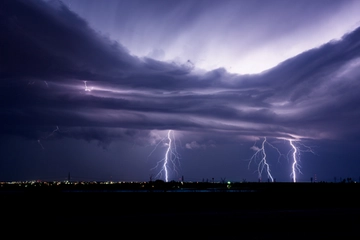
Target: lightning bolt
[162,140]
[295,167]
[171,157]
[263,164]
[166,159]
[51,134]
[40,144]
[86,87]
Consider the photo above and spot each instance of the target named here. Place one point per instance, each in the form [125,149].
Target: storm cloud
[93,88]
[48,52]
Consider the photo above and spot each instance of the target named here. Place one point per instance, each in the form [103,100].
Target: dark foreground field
[279,213]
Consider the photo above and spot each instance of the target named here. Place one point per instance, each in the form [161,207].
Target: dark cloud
[47,52]
[50,42]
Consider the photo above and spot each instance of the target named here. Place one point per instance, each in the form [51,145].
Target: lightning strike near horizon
[295,167]
[263,164]
[171,157]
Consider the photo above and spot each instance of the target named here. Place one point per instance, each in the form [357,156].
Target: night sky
[94,87]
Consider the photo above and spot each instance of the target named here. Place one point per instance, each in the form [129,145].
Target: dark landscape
[265,209]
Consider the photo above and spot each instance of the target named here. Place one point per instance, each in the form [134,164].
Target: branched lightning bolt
[296,157]
[51,134]
[263,164]
[166,159]
[295,165]
[171,157]
[162,140]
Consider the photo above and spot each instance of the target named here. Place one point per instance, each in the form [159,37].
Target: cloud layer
[48,52]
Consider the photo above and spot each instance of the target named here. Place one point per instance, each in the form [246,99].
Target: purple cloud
[48,52]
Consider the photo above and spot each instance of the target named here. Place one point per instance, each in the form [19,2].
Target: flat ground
[276,214]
